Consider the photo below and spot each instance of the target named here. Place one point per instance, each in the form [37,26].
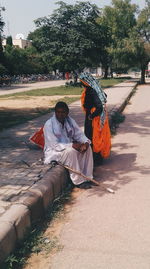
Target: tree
[129,30]
[143,36]
[35,61]
[23,61]
[3,70]
[1,32]
[119,20]
[136,48]
[136,53]
[16,60]
[71,38]
[143,23]
[9,41]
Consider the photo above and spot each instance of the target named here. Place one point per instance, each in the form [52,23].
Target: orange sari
[101,137]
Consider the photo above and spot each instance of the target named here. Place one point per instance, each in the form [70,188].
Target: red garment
[67,75]
[38,138]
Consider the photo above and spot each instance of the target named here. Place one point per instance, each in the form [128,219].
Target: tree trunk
[111,73]
[143,74]
[75,78]
[106,72]
[63,75]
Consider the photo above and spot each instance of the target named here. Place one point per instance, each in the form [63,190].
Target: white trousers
[81,162]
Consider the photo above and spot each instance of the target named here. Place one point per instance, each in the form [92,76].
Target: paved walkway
[31,86]
[105,231]
[17,178]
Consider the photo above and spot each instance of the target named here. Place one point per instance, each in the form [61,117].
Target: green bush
[3,70]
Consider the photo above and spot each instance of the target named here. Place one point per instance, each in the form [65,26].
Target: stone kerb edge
[13,226]
[29,208]
[121,107]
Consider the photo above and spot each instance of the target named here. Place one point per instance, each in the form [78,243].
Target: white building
[19,43]
[98,72]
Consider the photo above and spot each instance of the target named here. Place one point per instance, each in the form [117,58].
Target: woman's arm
[97,104]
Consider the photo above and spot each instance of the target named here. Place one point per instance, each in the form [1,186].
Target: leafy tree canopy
[23,61]
[9,41]
[118,19]
[1,31]
[70,38]
[136,48]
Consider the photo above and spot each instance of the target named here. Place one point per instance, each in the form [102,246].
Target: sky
[19,15]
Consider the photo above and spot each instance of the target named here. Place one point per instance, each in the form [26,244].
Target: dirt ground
[44,258]
[29,102]
[18,110]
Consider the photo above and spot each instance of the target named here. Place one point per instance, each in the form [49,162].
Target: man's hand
[80,147]
[84,147]
[76,146]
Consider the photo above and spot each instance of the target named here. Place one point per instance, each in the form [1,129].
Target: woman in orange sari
[93,100]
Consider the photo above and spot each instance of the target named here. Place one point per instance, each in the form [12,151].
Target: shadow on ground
[115,172]
[120,169]
[12,117]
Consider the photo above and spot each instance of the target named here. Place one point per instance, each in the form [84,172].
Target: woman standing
[93,100]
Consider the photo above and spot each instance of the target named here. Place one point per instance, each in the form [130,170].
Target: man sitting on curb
[67,144]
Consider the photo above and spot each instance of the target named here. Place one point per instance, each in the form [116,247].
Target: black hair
[62,105]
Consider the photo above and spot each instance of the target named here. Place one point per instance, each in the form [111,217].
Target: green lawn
[64,90]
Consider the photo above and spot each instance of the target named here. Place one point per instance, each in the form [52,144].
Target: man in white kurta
[66,143]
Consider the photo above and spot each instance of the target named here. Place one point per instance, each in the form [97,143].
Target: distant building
[19,43]
[95,71]
[147,71]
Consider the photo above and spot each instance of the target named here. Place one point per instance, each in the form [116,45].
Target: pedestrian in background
[67,75]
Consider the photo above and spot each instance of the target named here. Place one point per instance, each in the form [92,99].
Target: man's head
[61,111]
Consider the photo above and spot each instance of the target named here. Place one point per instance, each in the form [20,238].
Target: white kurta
[58,146]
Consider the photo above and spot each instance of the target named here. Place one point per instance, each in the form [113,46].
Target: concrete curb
[32,205]
[119,108]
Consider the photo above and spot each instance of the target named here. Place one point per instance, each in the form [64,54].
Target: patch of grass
[63,90]
[116,119]
[36,241]
[110,82]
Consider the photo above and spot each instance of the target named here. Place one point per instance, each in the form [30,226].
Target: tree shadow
[13,117]
[122,168]
[117,171]
[138,123]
